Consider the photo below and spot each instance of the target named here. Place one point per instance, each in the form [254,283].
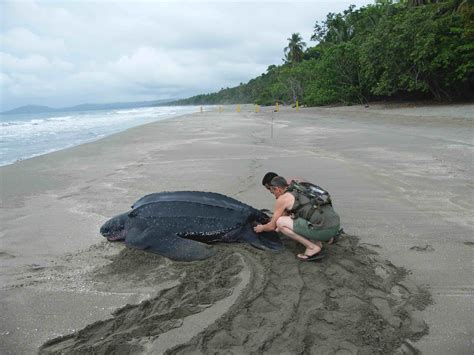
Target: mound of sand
[248,301]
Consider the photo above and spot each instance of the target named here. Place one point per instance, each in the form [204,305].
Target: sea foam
[29,135]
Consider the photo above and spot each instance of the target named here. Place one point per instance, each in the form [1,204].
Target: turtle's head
[115,228]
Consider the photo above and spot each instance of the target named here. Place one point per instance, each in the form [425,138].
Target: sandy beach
[400,281]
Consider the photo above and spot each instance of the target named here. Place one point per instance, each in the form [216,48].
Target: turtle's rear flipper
[159,241]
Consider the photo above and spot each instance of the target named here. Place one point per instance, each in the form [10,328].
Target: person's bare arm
[280,210]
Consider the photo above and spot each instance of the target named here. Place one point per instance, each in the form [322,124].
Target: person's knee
[280,222]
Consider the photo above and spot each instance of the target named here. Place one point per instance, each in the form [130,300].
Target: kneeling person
[297,216]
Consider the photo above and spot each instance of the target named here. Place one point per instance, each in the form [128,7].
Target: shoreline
[386,110]
[67,126]
[53,205]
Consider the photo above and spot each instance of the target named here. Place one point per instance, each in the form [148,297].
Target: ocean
[25,136]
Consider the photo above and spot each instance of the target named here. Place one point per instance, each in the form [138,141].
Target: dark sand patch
[351,301]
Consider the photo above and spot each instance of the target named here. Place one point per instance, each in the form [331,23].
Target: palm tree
[294,51]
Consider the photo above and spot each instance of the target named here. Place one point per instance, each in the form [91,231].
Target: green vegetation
[294,52]
[404,50]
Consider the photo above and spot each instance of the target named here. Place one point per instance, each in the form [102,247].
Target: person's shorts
[306,229]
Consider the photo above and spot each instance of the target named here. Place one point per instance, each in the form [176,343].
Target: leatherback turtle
[176,224]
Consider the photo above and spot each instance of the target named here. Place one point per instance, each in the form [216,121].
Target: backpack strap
[313,203]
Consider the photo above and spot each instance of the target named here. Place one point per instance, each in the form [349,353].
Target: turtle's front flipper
[265,240]
[159,241]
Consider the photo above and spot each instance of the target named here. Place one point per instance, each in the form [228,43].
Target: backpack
[316,194]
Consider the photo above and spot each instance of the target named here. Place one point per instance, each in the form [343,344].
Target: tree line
[412,49]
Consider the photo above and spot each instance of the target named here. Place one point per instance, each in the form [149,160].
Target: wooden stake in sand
[271,134]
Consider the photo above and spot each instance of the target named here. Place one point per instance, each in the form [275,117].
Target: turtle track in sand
[351,302]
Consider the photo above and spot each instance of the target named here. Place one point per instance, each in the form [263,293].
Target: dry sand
[401,179]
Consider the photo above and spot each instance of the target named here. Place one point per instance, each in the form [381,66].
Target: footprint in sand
[5,255]
[427,247]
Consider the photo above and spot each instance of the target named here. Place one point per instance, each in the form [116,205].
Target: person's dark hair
[268,178]
[279,181]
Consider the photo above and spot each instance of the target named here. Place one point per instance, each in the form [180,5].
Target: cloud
[22,40]
[5,80]
[67,52]
[34,63]
[149,64]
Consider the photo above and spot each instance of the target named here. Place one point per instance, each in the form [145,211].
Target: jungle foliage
[408,49]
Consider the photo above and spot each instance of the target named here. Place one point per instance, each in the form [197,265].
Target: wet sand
[401,179]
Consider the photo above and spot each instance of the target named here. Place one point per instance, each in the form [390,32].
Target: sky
[63,53]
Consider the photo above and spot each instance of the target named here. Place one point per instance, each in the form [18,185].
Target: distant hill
[30,109]
[85,107]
